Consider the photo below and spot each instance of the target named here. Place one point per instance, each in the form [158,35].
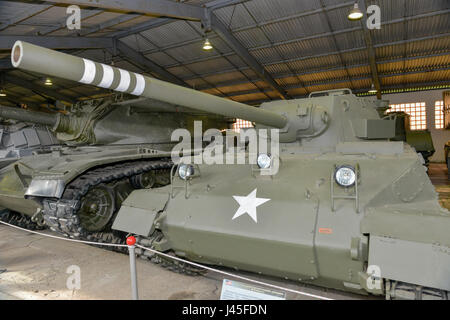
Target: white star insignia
[248,205]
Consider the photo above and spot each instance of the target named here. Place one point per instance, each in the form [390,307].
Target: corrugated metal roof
[297,92]
[138,43]
[196,83]
[323,76]
[234,16]
[225,77]
[289,38]
[252,38]
[215,65]
[266,10]
[323,62]
[250,97]
[170,34]
[295,28]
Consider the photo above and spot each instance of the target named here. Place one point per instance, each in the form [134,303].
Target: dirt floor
[35,267]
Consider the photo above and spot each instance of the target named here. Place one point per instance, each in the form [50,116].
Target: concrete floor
[439,178]
[34,267]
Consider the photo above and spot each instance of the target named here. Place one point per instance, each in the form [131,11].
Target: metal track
[19,220]
[396,290]
[167,263]
[62,215]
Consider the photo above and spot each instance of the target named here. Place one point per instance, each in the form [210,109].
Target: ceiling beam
[28,13]
[400,86]
[57,42]
[158,22]
[153,23]
[312,56]
[15,99]
[213,6]
[147,26]
[62,24]
[158,8]
[37,88]
[242,52]
[335,42]
[135,57]
[296,40]
[188,12]
[217,4]
[7,42]
[410,85]
[312,71]
[370,50]
[343,79]
[5,64]
[108,24]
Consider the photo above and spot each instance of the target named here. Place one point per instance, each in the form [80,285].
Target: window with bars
[240,124]
[417,112]
[439,114]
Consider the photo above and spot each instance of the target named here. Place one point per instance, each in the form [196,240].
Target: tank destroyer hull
[347,208]
[48,174]
[297,235]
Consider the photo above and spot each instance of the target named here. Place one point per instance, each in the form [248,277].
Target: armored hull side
[297,234]
[347,208]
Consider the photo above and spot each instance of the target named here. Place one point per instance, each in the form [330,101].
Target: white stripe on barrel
[124,81]
[89,72]
[108,76]
[140,85]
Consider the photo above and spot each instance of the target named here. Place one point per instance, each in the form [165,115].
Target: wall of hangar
[440,136]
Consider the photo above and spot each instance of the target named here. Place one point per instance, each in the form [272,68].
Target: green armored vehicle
[420,140]
[336,205]
[110,146]
[344,203]
[20,139]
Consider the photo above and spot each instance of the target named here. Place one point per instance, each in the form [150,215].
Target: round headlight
[264,161]
[345,176]
[185,171]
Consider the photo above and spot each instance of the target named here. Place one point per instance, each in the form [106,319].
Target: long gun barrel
[30,57]
[47,119]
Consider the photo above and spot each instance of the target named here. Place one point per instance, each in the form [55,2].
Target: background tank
[308,227]
[346,203]
[121,144]
[19,139]
[115,121]
[420,140]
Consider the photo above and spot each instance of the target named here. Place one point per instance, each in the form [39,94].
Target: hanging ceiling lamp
[372,89]
[207,45]
[355,13]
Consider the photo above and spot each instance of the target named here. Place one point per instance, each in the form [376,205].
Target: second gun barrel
[43,118]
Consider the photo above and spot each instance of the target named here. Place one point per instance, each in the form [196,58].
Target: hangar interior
[262,50]
[259,51]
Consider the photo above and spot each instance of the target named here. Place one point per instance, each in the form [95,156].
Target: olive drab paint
[312,230]
[35,58]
